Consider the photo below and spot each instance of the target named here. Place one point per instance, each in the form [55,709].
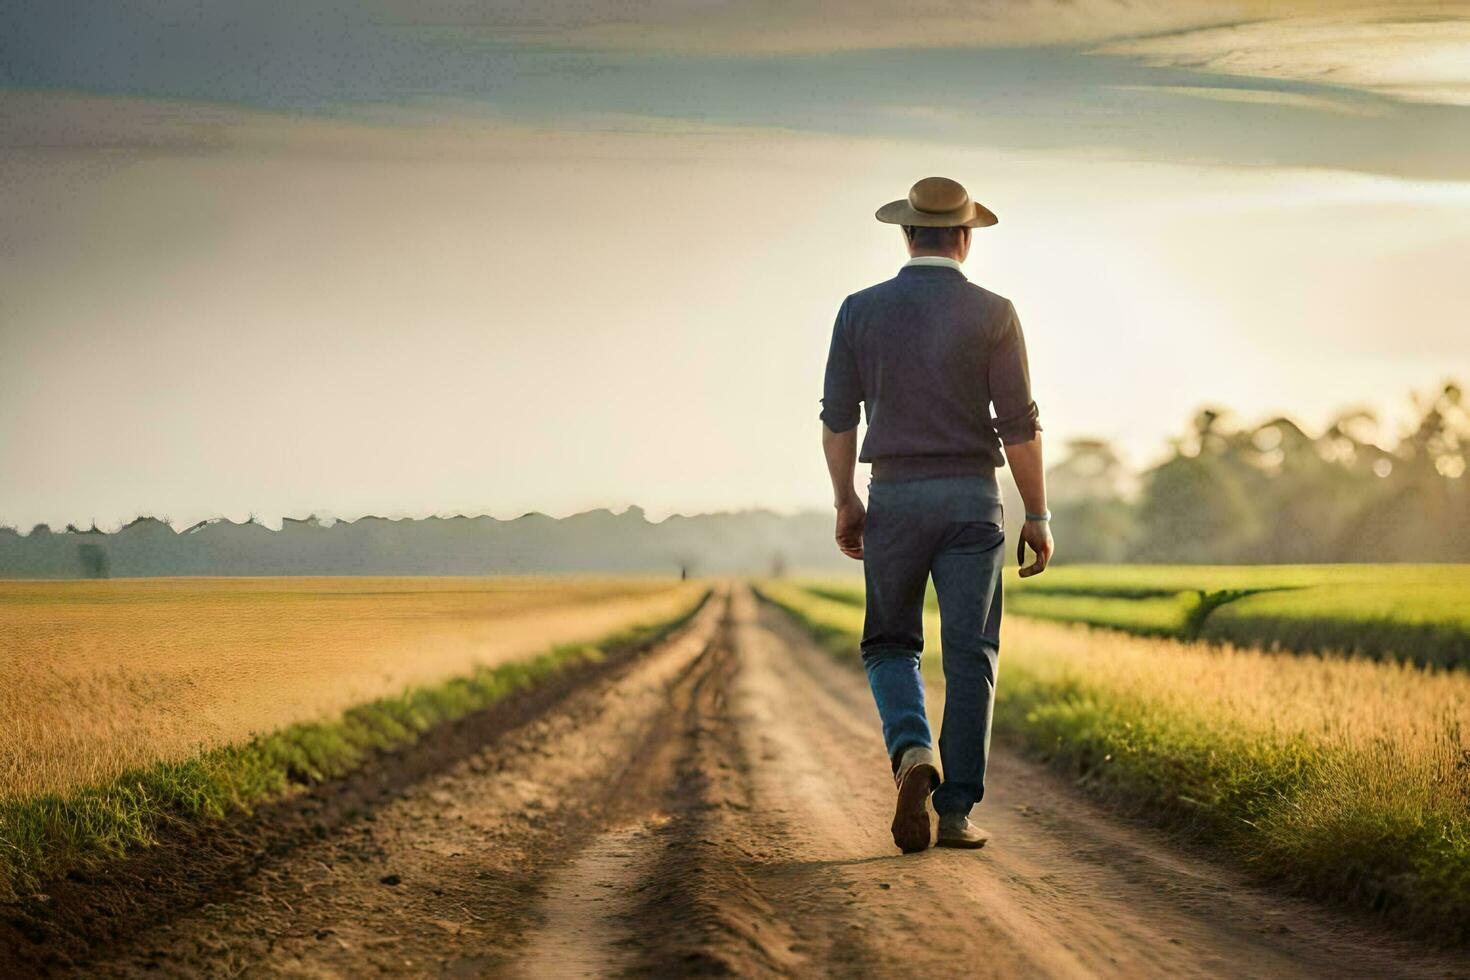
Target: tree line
[1274,492]
[1227,492]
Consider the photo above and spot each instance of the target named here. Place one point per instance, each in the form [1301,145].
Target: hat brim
[973,215]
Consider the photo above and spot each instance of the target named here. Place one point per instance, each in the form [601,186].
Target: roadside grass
[46,835]
[1416,613]
[1347,779]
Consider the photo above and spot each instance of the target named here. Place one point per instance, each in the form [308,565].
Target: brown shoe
[956,830]
[916,778]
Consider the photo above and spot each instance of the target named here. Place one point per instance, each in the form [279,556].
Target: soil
[719,805]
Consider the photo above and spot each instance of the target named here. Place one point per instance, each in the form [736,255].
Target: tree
[1088,493]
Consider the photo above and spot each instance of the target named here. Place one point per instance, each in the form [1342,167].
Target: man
[928,352]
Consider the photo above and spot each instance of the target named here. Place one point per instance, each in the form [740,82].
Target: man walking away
[928,353]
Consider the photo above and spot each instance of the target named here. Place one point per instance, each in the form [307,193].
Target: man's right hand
[851,516]
[1037,534]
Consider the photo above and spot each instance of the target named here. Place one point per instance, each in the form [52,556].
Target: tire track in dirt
[666,896]
[584,904]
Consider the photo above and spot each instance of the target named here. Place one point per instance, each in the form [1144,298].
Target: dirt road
[721,805]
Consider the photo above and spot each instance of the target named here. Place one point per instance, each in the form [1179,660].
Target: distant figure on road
[928,353]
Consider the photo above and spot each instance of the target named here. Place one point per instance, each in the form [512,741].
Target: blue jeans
[951,528]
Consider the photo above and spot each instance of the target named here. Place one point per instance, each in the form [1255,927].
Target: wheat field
[101,676]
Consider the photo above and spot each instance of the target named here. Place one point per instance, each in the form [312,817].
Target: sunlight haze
[554,261]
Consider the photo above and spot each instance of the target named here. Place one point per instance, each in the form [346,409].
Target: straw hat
[937,202]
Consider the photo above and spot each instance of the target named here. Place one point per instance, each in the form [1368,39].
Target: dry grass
[100,677]
[1347,778]
[1343,776]
[1338,702]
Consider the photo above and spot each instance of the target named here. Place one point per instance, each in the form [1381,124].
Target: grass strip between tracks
[1345,779]
[45,836]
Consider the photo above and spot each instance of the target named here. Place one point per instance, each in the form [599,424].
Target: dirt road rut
[721,806]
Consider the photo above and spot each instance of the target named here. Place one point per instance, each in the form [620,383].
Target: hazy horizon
[430,259]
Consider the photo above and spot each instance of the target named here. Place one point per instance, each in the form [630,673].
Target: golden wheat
[96,677]
[1343,701]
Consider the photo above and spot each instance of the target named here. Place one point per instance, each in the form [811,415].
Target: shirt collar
[943,261]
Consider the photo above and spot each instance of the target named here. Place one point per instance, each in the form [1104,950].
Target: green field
[1418,613]
[1344,778]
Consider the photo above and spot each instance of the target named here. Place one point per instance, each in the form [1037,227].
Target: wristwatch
[1043,516]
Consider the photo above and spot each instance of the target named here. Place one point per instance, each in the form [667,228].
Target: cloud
[1413,52]
[47,121]
[1344,104]
[1202,93]
[1412,59]
[791,26]
[1410,52]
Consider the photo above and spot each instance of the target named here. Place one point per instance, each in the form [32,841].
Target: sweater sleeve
[1015,418]
[841,388]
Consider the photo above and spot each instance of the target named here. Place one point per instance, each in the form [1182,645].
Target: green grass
[42,837]
[1421,614]
[1418,613]
[1167,615]
[1342,778]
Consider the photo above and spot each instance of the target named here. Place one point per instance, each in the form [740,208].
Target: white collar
[943,261]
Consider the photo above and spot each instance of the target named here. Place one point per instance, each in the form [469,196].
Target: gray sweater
[927,353]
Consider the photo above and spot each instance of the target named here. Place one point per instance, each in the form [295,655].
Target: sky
[458,257]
